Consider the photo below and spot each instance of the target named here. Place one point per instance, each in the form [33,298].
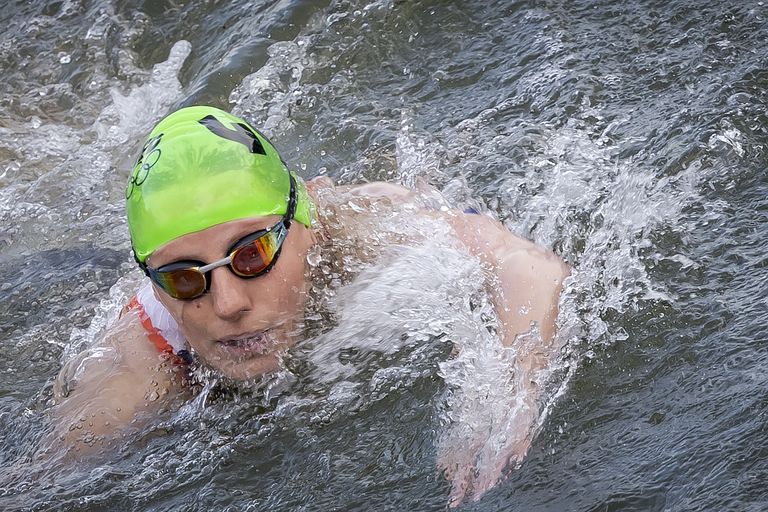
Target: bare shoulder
[379,189]
[323,189]
[356,213]
[120,382]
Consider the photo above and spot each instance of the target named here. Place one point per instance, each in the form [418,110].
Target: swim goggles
[251,256]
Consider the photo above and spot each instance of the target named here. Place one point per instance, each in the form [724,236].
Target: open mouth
[250,343]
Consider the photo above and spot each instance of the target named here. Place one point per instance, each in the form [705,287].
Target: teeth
[257,343]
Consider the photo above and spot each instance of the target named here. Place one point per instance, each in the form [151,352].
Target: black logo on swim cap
[148,157]
[239,133]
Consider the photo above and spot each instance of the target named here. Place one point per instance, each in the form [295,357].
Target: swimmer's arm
[528,282]
[396,193]
[120,385]
[529,277]
[525,287]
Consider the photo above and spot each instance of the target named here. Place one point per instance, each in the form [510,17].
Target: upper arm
[119,383]
[529,278]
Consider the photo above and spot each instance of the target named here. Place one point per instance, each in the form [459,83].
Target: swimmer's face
[241,325]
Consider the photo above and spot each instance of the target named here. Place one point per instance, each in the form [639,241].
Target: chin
[250,368]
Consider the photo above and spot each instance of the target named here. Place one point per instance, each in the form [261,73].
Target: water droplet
[314,257]
[355,207]
[64,58]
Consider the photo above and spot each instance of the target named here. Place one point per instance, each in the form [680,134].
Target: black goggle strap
[142,265]
[282,232]
[291,208]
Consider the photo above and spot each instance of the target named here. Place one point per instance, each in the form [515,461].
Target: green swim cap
[201,167]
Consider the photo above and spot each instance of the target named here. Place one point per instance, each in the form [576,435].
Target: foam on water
[131,116]
[409,297]
[265,96]
[69,170]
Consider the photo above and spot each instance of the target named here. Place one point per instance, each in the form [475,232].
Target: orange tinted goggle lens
[254,258]
[182,283]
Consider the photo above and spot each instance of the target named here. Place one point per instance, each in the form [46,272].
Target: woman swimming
[224,232]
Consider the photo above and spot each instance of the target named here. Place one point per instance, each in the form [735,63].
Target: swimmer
[223,230]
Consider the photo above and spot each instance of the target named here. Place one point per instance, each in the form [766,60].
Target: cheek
[273,295]
[291,282]
[192,320]
[189,316]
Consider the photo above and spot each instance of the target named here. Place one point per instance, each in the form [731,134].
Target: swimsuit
[162,329]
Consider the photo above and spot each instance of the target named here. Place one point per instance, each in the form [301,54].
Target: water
[630,137]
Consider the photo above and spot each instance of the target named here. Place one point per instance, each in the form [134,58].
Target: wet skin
[241,325]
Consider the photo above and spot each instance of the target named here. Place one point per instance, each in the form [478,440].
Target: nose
[230,298]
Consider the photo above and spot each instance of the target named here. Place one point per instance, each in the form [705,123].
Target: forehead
[210,243]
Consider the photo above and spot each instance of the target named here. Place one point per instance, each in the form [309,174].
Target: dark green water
[630,137]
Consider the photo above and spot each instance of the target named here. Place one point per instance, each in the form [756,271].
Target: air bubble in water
[64,58]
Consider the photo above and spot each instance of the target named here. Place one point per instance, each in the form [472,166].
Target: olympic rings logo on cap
[149,156]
